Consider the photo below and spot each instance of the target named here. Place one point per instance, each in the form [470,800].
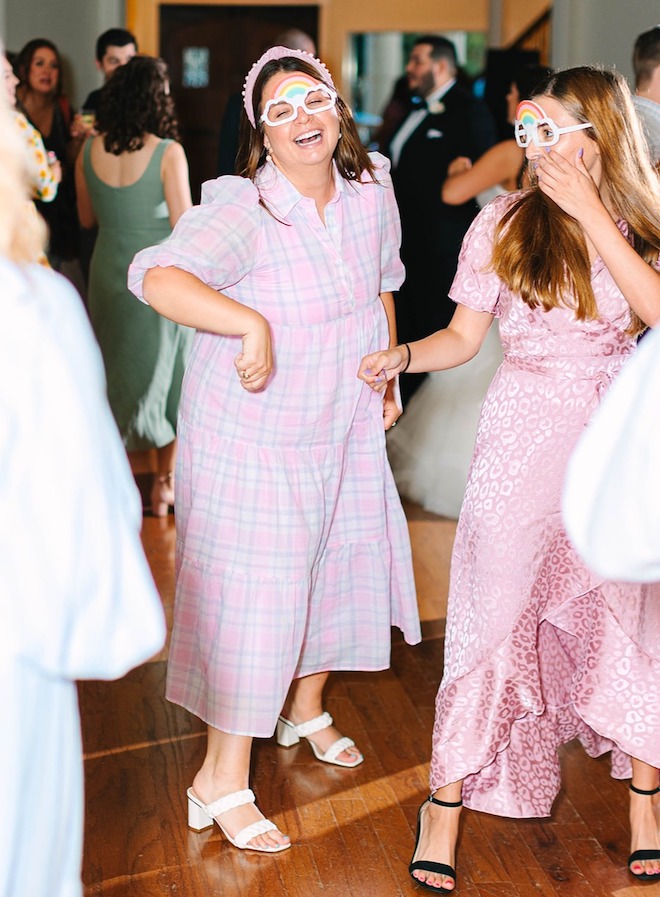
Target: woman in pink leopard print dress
[539,649]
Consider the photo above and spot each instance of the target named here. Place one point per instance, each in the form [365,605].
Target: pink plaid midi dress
[293,555]
[539,649]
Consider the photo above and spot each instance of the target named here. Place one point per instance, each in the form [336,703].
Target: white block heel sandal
[202,816]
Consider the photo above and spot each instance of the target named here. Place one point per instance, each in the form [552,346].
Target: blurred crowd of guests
[111,182]
[111,177]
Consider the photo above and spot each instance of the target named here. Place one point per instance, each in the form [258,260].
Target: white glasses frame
[526,134]
[298,102]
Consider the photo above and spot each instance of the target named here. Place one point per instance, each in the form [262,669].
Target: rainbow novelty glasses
[532,125]
[279,111]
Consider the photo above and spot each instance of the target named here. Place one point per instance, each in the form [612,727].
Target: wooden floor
[352,830]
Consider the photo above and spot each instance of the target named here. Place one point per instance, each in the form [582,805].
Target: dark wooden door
[231,38]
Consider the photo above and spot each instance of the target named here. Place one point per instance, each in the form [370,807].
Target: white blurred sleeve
[75,587]
[611,501]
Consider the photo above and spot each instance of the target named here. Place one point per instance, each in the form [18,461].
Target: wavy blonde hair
[540,251]
[22,230]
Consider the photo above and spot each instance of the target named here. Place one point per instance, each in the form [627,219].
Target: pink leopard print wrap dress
[539,649]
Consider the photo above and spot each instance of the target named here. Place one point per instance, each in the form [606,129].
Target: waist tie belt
[598,369]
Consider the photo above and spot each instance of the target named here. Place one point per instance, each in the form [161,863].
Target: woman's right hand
[380,367]
[254,364]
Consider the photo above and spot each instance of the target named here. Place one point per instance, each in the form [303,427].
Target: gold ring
[245,375]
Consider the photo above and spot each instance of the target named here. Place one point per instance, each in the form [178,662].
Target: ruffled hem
[241,636]
[575,675]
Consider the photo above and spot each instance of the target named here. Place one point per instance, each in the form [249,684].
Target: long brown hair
[350,156]
[540,251]
[23,63]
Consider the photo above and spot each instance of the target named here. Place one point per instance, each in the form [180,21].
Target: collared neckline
[281,195]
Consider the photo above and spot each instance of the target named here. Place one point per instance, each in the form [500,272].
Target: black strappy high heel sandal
[639,856]
[429,865]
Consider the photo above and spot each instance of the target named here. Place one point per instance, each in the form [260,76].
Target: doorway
[209,50]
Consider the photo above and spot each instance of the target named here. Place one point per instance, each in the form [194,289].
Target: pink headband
[278,53]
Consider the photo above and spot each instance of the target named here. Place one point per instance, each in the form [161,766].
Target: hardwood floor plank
[600,800]
[132,711]
[498,890]
[369,871]
[327,851]
[352,830]
[541,838]
[596,866]
[396,836]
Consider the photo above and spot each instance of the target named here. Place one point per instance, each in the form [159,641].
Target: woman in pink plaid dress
[293,556]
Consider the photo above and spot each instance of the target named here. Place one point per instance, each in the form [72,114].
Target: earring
[340,136]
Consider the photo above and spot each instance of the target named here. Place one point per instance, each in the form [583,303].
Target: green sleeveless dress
[144,353]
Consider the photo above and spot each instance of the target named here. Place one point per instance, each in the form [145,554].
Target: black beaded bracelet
[407,364]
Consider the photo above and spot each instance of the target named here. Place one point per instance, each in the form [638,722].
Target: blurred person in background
[41,99]
[449,122]
[113,48]
[500,169]
[294,39]
[646,64]
[44,174]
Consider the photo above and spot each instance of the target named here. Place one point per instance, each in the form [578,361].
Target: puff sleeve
[217,241]
[475,285]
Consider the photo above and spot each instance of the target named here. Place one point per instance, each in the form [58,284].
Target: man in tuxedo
[449,123]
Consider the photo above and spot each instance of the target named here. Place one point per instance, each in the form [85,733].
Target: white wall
[584,32]
[72,25]
[600,32]
[3,19]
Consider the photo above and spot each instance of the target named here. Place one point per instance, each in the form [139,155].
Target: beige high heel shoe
[162,494]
